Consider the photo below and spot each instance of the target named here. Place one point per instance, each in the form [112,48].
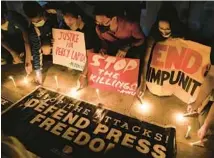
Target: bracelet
[83,75]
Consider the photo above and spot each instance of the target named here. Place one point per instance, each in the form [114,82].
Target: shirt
[17,24]
[127,34]
[45,37]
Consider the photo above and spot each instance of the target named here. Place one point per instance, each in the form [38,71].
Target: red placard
[113,73]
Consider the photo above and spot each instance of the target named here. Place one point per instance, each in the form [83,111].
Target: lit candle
[180,118]
[14,83]
[144,108]
[98,95]
[188,131]
[57,84]
[25,81]
[73,92]
[199,143]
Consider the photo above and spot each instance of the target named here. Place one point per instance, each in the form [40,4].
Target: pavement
[163,111]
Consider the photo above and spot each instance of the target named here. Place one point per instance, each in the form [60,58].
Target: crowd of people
[28,39]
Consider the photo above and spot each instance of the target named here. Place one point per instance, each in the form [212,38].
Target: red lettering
[157,55]
[174,57]
[192,62]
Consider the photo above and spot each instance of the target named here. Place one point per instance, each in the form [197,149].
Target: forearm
[27,48]
[146,58]
[85,70]
[138,42]
[8,48]
[209,121]
[205,90]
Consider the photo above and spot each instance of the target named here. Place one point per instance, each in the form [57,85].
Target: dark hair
[33,9]
[72,9]
[108,9]
[168,13]
[3,10]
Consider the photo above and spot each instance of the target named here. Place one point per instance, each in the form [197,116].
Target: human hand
[202,132]
[82,81]
[17,59]
[28,67]
[141,91]
[121,53]
[103,51]
[191,108]
[38,77]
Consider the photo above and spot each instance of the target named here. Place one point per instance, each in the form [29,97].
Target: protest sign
[69,49]
[113,73]
[5,103]
[178,67]
[53,125]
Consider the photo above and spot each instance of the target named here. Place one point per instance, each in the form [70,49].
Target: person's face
[70,20]
[102,20]
[38,21]
[165,29]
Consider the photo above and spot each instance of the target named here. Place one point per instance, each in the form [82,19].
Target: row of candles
[73,92]
[145,107]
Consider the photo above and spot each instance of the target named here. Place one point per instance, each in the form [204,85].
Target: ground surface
[162,109]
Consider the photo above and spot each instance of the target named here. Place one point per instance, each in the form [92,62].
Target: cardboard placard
[69,49]
[113,73]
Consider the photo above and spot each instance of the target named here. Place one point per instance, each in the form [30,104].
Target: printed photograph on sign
[69,49]
[113,73]
[178,67]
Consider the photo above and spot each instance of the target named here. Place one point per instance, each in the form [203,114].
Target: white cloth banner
[178,67]
[69,49]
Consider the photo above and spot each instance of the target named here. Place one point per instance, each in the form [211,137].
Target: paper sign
[178,67]
[69,49]
[113,73]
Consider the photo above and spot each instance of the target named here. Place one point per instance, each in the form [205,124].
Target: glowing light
[14,83]
[145,107]
[25,80]
[73,92]
[180,118]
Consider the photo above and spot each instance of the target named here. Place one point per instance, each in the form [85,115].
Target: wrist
[83,75]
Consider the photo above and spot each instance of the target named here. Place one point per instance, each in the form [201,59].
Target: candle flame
[25,81]
[180,118]
[73,92]
[145,107]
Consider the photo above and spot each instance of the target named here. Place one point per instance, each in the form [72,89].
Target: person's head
[72,16]
[106,18]
[3,16]
[35,13]
[168,23]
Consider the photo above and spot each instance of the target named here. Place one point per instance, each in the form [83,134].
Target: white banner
[178,67]
[69,49]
